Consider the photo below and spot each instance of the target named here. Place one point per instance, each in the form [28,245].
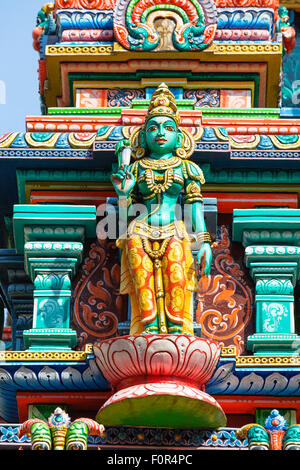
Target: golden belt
[151,232]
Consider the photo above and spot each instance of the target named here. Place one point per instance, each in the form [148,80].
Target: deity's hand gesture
[204,259]
[123,180]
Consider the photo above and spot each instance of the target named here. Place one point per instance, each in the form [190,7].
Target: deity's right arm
[124,182]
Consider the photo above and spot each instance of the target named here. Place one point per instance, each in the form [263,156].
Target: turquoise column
[51,238]
[270,238]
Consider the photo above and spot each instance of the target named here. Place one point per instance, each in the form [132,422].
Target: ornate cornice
[45,356]
[216,48]
[266,361]
[79,50]
[250,48]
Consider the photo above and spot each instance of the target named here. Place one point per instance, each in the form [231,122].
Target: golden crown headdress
[163,103]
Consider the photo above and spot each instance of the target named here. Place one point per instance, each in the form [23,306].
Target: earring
[140,152]
[181,153]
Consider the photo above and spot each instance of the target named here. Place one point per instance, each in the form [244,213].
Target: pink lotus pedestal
[158,381]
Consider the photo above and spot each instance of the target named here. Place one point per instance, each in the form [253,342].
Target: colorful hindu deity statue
[45,24]
[157,266]
[284,27]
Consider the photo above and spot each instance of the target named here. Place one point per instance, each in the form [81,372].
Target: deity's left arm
[193,207]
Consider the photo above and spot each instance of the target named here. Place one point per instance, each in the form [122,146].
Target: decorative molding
[224,438]
[246,18]
[101,35]
[79,50]
[230,351]
[273,376]
[216,48]
[274,286]
[72,19]
[242,35]
[250,48]
[267,361]
[48,356]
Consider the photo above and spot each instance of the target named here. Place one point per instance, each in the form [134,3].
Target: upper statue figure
[158,269]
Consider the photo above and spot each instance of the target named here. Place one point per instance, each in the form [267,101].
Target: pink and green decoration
[194,24]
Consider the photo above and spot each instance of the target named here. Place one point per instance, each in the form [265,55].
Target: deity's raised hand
[123,181]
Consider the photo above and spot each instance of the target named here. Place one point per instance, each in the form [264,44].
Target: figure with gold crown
[158,372]
[157,267]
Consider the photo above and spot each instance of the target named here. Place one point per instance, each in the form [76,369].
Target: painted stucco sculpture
[159,371]
[274,435]
[158,269]
[45,24]
[59,433]
[284,27]
[185,25]
[229,64]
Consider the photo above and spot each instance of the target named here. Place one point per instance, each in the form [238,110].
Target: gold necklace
[158,188]
[152,164]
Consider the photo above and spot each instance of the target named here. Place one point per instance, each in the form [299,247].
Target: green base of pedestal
[167,411]
[277,344]
[50,339]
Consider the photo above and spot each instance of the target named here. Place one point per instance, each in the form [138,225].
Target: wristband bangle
[203,237]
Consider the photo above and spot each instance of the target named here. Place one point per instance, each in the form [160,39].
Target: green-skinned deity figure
[157,266]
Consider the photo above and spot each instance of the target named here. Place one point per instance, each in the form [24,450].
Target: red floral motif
[224,300]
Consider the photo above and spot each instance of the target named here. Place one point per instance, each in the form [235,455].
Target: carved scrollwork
[224,299]
[98,305]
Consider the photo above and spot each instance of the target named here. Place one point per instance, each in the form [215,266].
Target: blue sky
[19,64]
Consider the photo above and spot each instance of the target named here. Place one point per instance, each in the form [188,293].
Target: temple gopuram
[124,324]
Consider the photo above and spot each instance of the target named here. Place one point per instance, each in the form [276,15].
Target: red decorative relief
[224,300]
[247,3]
[86,4]
[98,305]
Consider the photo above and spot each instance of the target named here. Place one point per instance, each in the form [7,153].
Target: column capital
[266,226]
[51,239]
